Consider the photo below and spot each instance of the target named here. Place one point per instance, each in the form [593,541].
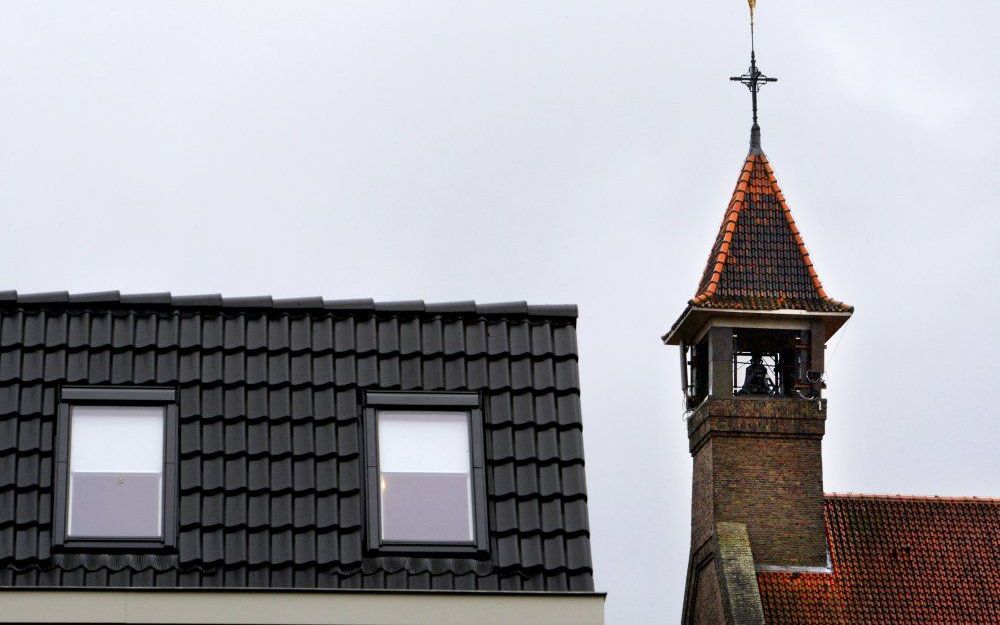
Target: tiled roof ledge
[934,498]
[296,304]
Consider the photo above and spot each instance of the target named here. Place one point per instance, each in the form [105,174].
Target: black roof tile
[409,334]
[453,337]
[102,297]
[467,306]
[520,339]
[549,480]
[212,331]
[520,374]
[253,301]
[212,300]
[543,310]
[34,330]
[300,338]
[270,468]
[402,306]
[10,328]
[140,299]
[54,297]
[350,304]
[299,302]
[503,308]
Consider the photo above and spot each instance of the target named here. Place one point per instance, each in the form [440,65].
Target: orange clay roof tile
[759,260]
[896,559]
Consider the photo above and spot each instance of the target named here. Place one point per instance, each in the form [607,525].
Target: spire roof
[759,261]
[759,265]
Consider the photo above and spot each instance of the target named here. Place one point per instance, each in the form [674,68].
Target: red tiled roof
[899,560]
[759,261]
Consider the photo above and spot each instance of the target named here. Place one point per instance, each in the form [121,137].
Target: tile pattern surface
[897,560]
[270,442]
[759,260]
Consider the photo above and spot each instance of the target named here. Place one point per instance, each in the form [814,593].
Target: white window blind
[116,472]
[425,479]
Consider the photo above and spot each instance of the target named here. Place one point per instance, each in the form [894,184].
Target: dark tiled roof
[270,437]
[897,560]
[759,261]
[266,302]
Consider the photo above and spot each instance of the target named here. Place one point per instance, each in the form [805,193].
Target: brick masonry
[758,462]
[708,602]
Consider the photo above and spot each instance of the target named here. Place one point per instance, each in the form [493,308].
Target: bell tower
[751,345]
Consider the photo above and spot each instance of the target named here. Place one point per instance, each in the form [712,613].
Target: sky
[555,151]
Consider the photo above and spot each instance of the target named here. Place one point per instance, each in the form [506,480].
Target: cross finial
[753,80]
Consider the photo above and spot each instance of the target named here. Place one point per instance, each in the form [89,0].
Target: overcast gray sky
[566,151]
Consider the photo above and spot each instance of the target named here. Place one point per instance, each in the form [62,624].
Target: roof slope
[759,261]
[271,472]
[897,560]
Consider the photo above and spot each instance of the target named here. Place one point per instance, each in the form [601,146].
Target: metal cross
[753,79]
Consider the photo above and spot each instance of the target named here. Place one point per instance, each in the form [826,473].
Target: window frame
[471,404]
[116,396]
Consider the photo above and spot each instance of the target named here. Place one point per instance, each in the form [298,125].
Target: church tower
[752,343]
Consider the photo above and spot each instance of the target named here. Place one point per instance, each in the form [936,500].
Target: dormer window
[115,472]
[425,476]
[116,468]
[426,481]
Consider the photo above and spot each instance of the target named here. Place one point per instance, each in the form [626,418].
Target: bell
[756,381]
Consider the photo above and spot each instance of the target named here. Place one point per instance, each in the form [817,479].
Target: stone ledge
[737,575]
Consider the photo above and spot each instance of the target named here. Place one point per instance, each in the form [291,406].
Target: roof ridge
[899,497]
[773,179]
[267,302]
[795,231]
[725,237]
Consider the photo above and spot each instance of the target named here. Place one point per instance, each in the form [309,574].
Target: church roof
[759,261]
[897,559]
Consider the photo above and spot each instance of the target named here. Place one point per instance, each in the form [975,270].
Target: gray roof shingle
[270,453]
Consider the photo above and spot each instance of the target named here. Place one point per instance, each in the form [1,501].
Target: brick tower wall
[758,462]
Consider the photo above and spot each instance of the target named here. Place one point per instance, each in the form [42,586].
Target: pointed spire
[759,264]
[754,79]
[759,260]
